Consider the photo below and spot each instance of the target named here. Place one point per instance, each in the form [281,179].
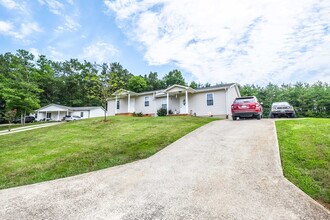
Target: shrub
[139,114]
[161,112]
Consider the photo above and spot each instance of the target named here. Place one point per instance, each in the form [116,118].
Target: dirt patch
[326,205]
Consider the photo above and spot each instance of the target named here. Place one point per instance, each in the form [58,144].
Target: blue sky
[254,41]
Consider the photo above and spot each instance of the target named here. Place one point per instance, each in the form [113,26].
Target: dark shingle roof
[227,85]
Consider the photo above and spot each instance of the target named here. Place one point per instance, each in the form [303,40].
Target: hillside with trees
[28,82]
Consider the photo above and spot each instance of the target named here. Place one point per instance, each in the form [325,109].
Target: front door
[182,105]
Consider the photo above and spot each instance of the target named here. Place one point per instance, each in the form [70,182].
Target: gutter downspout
[116,105]
[226,102]
[167,102]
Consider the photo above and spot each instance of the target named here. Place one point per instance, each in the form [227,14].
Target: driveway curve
[224,170]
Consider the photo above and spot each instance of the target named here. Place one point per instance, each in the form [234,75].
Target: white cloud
[70,24]
[20,33]
[54,54]
[20,6]
[35,51]
[5,27]
[252,41]
[10,4]
[99,52]
[54,6]
[28,29]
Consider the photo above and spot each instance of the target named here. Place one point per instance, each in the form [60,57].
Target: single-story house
[177,99]
[56,112]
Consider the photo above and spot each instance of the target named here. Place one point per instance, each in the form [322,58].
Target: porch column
[116,104]
[58,116]
[46,116]
[67,112]
[167,102]
[226,102]
[187,102]
[129,103]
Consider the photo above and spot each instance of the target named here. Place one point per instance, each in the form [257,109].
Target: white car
[281,109]
[72,118]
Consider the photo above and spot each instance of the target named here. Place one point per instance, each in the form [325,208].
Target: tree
[48,82]
[105,87]
[10,116]
[119,77]
[19,88]
[193,85]
[137,84]
[174,77]
[153,83]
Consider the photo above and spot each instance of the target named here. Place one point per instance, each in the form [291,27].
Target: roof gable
[179,89]
[54,107]
[123,92]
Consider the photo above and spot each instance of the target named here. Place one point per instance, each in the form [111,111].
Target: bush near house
[162,112]
[137,114]
[305,154]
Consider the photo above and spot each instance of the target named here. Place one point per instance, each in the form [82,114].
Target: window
[164,103]
[209,99]
[81,114]
[118,104]
[146,101]
[49,115]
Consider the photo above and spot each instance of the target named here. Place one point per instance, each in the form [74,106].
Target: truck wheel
[234,118]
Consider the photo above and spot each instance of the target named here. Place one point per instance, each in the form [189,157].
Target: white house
[214,100]
[56,112]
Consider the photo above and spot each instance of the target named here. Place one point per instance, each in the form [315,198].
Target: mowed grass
[86,145]
[5,127]
[305,154]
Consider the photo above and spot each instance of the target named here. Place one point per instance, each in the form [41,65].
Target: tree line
[28,82]
[308,100]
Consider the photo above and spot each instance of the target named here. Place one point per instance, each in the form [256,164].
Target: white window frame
[210,99]
[164,102]
[118,105]
[146,101]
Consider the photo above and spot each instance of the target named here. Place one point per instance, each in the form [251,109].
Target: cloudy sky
[253,41]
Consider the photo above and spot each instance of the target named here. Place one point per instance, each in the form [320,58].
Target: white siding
[139,104]
[98,112]
[174,104]
[78,113]
[111,107]
[54,115]
[232,94]
[123,107]
[198,103]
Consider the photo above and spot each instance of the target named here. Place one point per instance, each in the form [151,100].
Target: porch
[52,115]
[177,100]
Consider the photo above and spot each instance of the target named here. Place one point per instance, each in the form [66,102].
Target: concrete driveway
[224,170]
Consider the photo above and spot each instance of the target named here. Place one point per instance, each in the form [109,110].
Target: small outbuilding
[56,112]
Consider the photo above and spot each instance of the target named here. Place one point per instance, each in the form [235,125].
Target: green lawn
[305,154]
[5,127]
[82,146]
